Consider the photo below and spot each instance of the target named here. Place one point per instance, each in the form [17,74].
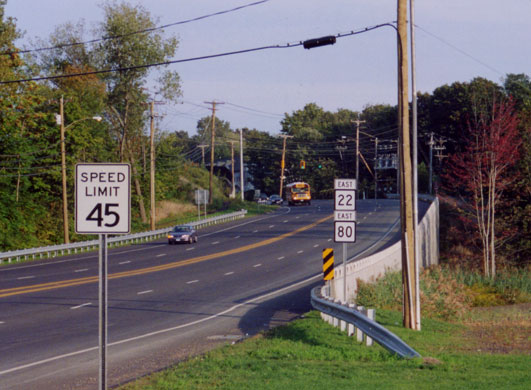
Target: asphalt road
[167,303]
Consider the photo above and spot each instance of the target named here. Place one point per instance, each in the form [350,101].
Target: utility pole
[283,161]
[152,165]
[66,233]
[409,259]
[241,164]
[358,123]
[202,147]
[431,143]
[375,168]
[233,192]
[212,140]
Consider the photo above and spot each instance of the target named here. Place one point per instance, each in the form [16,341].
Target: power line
[138,31]
[165,63]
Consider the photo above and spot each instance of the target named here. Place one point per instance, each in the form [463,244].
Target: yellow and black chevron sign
[328,263]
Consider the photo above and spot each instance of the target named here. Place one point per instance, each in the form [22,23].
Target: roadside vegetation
[484,350]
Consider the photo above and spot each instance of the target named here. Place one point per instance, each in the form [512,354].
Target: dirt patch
[499,329]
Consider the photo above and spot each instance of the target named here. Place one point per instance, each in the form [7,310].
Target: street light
[60,121]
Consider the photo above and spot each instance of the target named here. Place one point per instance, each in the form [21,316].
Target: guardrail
[320,301]
[57,250]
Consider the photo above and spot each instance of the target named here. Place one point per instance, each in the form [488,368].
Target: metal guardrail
[57,250]
[371,328]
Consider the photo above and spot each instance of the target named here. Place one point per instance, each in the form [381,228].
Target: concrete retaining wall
[374,266]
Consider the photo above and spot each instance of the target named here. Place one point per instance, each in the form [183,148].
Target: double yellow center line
[92,279]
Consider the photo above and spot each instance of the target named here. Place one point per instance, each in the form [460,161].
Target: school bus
[298,193]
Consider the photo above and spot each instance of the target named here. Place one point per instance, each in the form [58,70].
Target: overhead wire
[138,31]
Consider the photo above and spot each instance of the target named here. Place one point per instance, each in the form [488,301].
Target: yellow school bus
[298,193]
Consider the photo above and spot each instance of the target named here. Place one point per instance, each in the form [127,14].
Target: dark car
[182,233]
[275,199]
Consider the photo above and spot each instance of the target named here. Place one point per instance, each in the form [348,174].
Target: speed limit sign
[103,198]
[344,231]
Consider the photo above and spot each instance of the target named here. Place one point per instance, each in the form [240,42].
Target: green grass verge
[310,354]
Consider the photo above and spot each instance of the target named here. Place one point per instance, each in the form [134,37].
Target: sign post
[103,206]
[345,219]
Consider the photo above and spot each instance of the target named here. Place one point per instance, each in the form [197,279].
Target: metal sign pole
[345,272]
[103,310]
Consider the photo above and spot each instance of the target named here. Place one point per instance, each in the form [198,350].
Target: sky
[456,40]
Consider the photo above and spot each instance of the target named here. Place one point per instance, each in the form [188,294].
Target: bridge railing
[62,249]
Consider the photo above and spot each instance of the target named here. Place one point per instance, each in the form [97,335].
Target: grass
[462,346]
[310,354]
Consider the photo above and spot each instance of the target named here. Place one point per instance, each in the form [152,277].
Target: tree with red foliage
[482,171]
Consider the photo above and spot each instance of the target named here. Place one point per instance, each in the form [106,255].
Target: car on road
[263,199]
[182,233]
[275,199]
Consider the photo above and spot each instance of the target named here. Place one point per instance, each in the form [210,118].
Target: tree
[482,171]
[126,97]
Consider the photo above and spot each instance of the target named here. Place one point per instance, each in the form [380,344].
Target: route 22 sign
[103,198]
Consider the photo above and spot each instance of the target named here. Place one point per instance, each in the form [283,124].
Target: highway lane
[175,292]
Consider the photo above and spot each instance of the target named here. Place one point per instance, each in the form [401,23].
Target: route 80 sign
[345,210]
[103,198]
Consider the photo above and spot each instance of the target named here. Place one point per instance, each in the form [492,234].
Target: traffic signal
[319,166]
[302,164]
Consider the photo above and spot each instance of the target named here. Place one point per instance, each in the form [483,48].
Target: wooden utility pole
[202,147]
[212,140]
[358,123]
[241,166]
[63,173]
[406,194]
[152,165]
[233,192]
[283,161]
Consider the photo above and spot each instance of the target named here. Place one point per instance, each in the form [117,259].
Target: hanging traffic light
[302,164]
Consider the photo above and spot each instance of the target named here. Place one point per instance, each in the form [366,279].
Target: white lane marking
[297,217]
[161,255]
[192,281]
[26,277]
[229,273]
[215,243]
[271,226]
[190,249]
[124,262]
[280,258]
[144,292]
[316,245]
[80,306]
[237,237]
[2,322]
[162,331]
[81,270]
[257,265]
[255,231]
[285,221]
[329,240]
[299,252]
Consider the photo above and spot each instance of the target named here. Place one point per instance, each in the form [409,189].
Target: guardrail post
[343,324]
[359,333]
[351,328]
[335,320]
[370,314]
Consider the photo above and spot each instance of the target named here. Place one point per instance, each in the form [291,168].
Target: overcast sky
[456,40]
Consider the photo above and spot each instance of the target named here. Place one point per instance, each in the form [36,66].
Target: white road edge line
[162,254]
[144,292]
[26,277]
[157,332]
[81,270]
[80,306]
[257,265]
[192,281]
[124,262]
[229,273]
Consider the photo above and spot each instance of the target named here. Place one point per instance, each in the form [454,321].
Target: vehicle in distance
[275,199]
[263,199]
[182,233]
[298,193]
